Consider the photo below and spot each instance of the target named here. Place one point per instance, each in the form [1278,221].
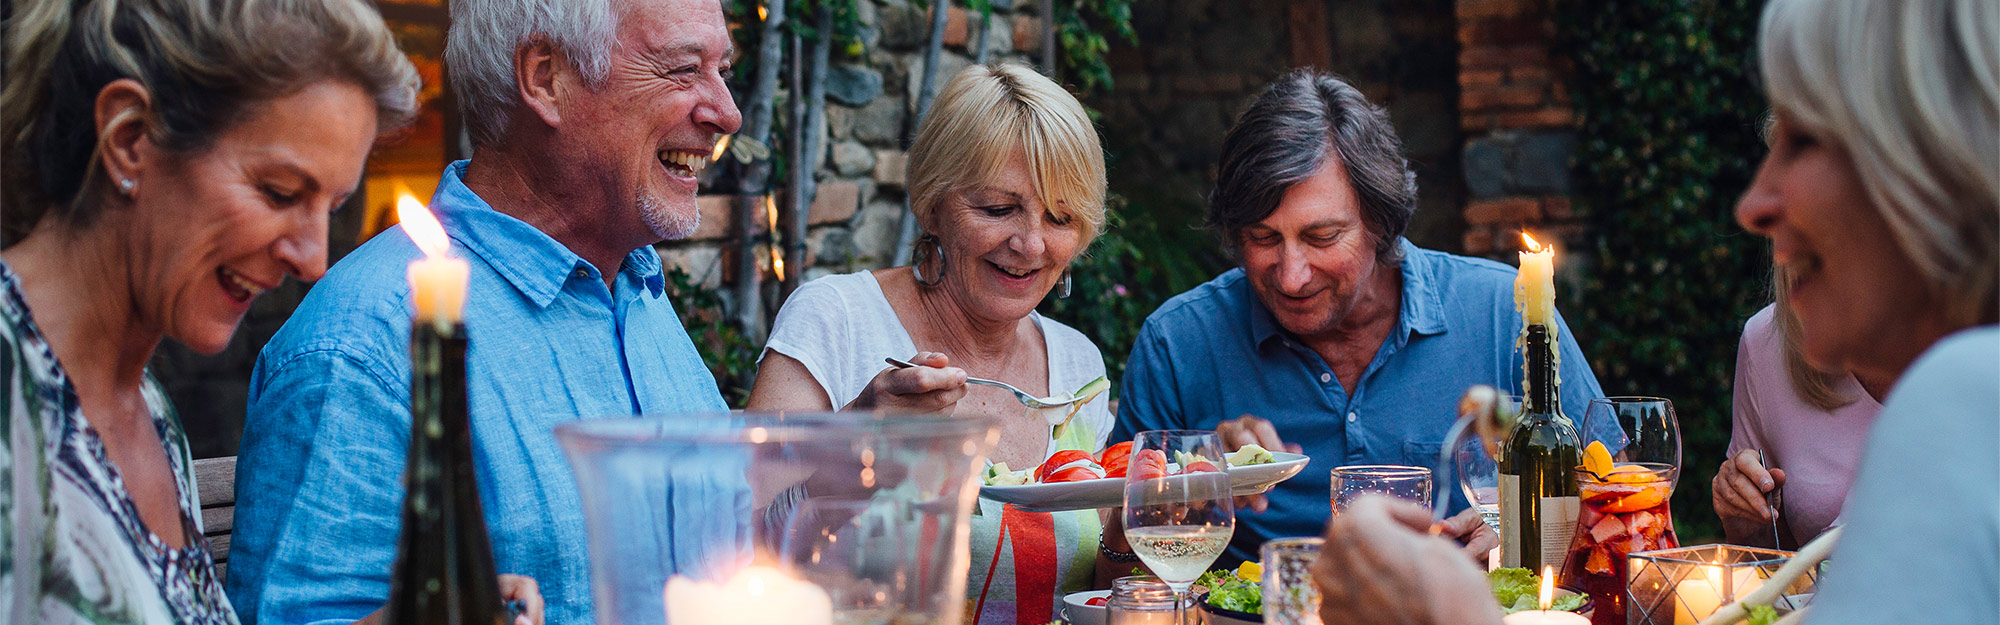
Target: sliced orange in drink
[1631,474]
[1597,459]
[1644,499]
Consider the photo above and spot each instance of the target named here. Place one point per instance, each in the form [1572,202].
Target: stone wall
[871,109]
[1519,124]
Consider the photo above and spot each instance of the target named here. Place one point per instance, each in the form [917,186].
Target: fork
[1775,499]
[1030,401]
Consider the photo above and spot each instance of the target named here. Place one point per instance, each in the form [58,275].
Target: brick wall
[1201,62]
[1519,124]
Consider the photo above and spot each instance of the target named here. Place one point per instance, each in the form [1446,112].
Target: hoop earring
[1062,289]
[920,256]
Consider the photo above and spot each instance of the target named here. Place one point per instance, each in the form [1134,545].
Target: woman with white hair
[1881,195]
[1007,181]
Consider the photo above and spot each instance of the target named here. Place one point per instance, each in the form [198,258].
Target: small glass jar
[1140,600]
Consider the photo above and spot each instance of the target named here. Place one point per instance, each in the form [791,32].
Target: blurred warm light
[762,13]
[721,146]
[771,218]
[422,227]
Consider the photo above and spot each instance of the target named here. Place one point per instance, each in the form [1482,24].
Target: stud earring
[126,185]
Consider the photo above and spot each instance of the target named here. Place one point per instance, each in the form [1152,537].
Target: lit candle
[1695,599]
[437,281]
[1535,286]
[757,595]
[1545,616]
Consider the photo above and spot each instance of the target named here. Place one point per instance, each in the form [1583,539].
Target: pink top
[1818,450]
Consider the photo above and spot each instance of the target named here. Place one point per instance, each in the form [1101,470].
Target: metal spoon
[1031,401]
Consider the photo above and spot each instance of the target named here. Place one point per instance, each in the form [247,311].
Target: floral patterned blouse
[72,547]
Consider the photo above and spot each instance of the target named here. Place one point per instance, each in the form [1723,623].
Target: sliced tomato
[1198,467]
[1056,461]
[1073,474]
[1097,601]
[1116,459]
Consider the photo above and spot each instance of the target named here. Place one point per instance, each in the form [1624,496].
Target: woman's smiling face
[230,221]
[1860,299]
[1006,248]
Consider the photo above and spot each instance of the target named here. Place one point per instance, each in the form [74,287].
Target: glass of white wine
[1179,512]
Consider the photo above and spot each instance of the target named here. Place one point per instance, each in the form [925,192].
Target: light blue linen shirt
[319,491]
[1215,353]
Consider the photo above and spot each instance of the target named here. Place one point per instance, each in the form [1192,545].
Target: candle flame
[422,227]
[721,145]
[762,13]
[1533,246]
[1548,584]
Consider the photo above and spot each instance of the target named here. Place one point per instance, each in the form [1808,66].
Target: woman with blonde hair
[1881,200]
[1007,181]
[1793,414]
[168,161]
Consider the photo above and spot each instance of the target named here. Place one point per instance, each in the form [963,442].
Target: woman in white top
[1880,199]
[1007,183]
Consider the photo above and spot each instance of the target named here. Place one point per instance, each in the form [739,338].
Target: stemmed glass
[1471,452]
[1625,504]
[1635,429]
[1179,512]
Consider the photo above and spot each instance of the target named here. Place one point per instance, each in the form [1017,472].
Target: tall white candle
[437,281]
[756,595]
[1535,286]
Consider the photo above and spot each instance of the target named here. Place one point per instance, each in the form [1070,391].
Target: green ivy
[1139,262]
[1668,141]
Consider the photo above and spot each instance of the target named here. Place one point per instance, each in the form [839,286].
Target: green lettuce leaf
[1763,615]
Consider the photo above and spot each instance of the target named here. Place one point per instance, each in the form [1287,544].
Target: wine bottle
[444,571]
[1538,496]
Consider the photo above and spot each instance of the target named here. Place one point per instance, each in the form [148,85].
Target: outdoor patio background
[1624,132]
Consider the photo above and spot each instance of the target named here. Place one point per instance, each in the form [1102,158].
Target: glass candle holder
[802,519]
[1682,586]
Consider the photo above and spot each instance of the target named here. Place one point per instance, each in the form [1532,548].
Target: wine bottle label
[1558,526]
[1510,523]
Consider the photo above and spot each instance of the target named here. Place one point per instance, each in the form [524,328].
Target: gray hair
[1287,134]
[1911,90]
[485,34]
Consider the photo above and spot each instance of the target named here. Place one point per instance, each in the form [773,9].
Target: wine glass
[1470,454]
[1179,511]
[1635,429]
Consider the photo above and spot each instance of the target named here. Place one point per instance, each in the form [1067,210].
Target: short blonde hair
[1911,90]
[986,113]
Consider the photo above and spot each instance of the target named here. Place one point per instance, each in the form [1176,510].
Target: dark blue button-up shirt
[1215,353]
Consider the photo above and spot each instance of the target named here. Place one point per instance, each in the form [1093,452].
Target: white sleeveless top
[841,327]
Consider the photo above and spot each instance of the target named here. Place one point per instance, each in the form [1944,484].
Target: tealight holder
[1683,586]
[794,519]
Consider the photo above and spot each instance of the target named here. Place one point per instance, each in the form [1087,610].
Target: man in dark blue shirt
[1335,337]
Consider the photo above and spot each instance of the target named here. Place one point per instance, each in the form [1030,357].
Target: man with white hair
[591,120]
